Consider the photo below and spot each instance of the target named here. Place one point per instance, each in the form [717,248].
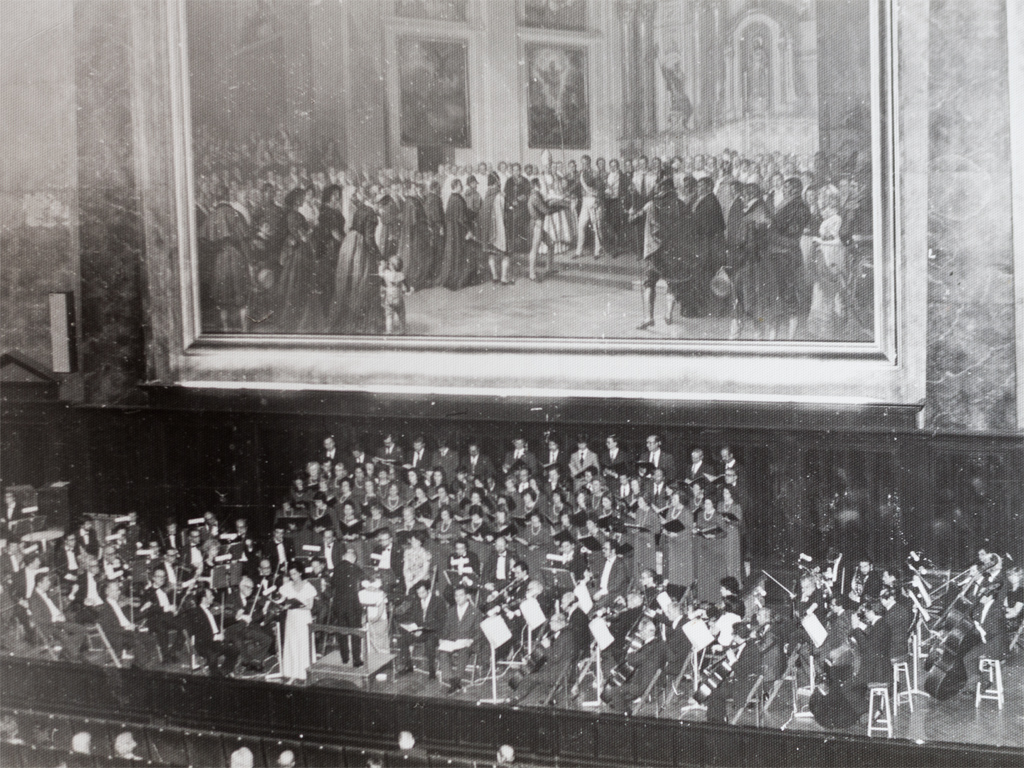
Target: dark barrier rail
[342,716]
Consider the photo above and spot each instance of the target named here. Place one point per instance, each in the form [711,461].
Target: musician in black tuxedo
[244,612]
[553,660]
[280,550]
[657,457]
[209,639]
[609,575]
[744,658]
[676,642]
[120,630]
[51,624]
[86,595]
[331,550]
[646,661]
[873,638]
[157,610]
[345,583]
[462,622]
[427,611]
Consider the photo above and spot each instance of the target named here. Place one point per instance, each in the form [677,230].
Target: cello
[953,636]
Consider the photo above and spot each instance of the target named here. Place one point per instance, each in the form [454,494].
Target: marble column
[113,349]
[971,354]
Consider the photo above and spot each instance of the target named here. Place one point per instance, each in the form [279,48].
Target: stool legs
[992,689]
[902,687]
[879,711]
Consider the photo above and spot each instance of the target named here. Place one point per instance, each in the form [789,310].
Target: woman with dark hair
[327,239]
[710,547]
[355,305]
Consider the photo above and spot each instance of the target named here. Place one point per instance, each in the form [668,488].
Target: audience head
[242,758]
[81,743]
[286,759]
[125,744]
[506,755]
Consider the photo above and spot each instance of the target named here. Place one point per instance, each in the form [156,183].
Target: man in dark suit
[899,616]
[331,452]
[873,638]
[419,457]
[559,662]
[553,455]
[656,491]
[614,457]
[87,593]
[209,640]
[244,611]
[156,608]
[445,458]
[646,661]
[331,550]
[357,457]
[427,613]
[390,452]
[659,458]
[698,470]
[461,625]
[120,630]
[676,642]
[521,453]
[348,612]
[476,464]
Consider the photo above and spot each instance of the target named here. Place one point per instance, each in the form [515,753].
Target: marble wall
[971,345]
[38,197]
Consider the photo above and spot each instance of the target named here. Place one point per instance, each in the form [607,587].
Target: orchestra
[615,575]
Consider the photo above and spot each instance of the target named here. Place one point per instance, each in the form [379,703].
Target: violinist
[622,623]
[210,641]
[267,579]
[86,595]
[171,568]
[497,569]
[158,612]
[51,624]
[773,661]
[194,557]
[568,557]
[279,550]
[463,565]
[676,641]
[121,630]
[645,657]
[422,623]
[244,629]
[576,622]
[66,562]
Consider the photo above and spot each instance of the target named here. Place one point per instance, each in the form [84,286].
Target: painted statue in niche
[553,14]
[680,106]
[757,74]
[559,116]
[433,10]
[434,93]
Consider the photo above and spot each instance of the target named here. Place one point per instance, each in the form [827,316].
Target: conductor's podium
[330,669]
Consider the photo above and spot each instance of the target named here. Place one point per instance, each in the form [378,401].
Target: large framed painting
[558,112]
[688,200]
[434,92]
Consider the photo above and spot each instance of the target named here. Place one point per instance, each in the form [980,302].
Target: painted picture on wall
[434,92]
[433,10]
[553,14]
[558,113]
[705,174]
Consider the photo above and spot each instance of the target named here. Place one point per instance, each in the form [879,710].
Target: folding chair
[95,632]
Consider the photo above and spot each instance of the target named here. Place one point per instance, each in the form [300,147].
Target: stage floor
[955,720]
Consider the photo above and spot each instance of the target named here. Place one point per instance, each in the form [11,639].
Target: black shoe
[356,664]
[404,671]
[456,688]
[432,674]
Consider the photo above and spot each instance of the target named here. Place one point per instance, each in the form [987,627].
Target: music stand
[603,638]
[534,617]
[497,633]
[561,579]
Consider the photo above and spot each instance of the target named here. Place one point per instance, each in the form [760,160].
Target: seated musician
[866,583]
[873,640]
[576,622]
[462,625]
[621,624]
[279,550]
[676,642]
[121,630]
[553,660]
[385,560]
[899,616]
[990,624]
[426,615]
[172,568]
[568,557]
[23,584]
[417,560]
[773,661]
[739,670]
[209,638]
[496,572]
[244,614]
[194,556]
[267,580]
[157,611]
[463,565]
[51,624]
[65,561]
[86,595]
[645,657]
[610,575]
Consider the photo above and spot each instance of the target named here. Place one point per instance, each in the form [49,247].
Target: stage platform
[331,669]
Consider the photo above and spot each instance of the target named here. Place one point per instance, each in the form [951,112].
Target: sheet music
[600,632]
[814,628]
[583,596]
[448,646]
[532,613]
[699,635]
[496,631]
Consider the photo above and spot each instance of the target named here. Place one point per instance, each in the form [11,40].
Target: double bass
[952,637]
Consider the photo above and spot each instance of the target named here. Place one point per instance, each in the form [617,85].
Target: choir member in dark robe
[786,260]
[433,207]
[458,266]
[327,239]
[356,306]
[227,233]
[300,310]
[414,243]
[517,213]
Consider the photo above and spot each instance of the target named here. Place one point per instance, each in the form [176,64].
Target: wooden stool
[993,691]
[879,712]
[901,674]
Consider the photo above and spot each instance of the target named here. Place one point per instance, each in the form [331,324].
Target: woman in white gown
[298,595]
